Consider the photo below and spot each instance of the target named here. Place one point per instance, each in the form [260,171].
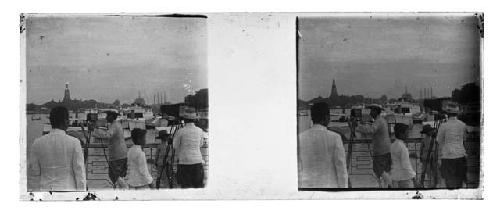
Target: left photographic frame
[114,102]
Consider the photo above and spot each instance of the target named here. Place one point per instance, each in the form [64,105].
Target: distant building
[139,100]
[407,96]
[319,99]
[66,97]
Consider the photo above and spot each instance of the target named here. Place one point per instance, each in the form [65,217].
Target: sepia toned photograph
[389,101]
[117,102]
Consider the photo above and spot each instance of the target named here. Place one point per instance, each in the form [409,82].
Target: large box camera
[357,114]
[171,110]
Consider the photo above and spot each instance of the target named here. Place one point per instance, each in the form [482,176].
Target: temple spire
[333,92]
[67,96]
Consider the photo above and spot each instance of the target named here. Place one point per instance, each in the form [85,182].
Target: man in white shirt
[187,145]
[402,172]
[322,161]
[138,176]
[56,159]
[452,153]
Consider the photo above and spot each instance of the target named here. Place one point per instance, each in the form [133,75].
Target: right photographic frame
[389,101]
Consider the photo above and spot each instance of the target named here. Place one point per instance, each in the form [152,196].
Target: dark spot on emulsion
[107,54]
[90,197]
[345,40]
[418,18]
[42,37]
[418,195]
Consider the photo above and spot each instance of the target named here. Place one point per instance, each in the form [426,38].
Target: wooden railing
[361,158]
[97,166]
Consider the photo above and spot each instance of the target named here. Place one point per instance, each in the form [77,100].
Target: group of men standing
[56,161]
[322,159]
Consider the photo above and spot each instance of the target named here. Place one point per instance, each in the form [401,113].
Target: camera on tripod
[171,110]
[92,117]
[440,116]
[92,121]
[356,114]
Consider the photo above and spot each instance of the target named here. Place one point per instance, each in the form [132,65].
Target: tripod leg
[171,170]
[379,179]
[158,180]
[163,168]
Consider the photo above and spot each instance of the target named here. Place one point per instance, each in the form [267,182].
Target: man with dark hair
[187,145]
[138,176]
[452,152]
[117,148]
[56,159]
[402,172]
[381,146]
[322,161]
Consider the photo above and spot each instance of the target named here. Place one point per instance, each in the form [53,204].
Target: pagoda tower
[333,92]
[67,97]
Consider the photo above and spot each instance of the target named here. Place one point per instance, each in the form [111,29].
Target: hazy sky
[114,57]
[381,55]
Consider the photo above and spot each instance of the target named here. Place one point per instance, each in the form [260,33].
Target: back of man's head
[138,136]
[375,110]
[400,131]
[319,111]
[111,116]
[59,117]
